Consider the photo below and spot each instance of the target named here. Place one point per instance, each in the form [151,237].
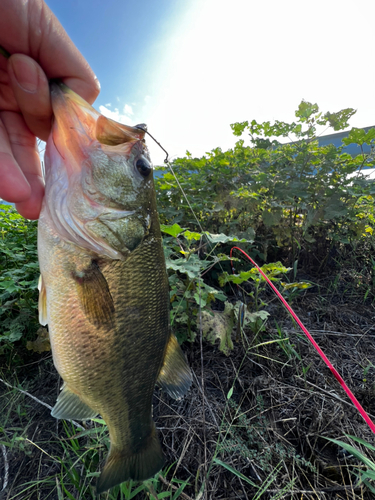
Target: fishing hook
[143,127]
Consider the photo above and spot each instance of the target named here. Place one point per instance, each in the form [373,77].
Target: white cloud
[116,115]
[108,105]
[128,110]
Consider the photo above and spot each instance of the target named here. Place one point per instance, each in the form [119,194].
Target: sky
[190,68]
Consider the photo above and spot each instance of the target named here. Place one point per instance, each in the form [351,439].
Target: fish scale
[104,288]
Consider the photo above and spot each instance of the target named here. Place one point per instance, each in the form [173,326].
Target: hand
[41,50]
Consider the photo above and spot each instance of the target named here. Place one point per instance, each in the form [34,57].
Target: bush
[19,272]
[287,197]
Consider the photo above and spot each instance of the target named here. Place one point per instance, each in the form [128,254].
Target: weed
[367,477]
[286,345]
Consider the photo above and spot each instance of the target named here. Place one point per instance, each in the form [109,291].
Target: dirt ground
[264,412]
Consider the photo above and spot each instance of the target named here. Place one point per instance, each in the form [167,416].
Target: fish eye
[143,166]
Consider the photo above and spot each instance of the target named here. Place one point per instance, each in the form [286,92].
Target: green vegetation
[288,198]
[255,420]
[368,474]
[19,272]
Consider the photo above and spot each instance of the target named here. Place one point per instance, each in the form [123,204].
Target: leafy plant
[242,436]
[253,315]
[19,273]
[286,197]
[189,256]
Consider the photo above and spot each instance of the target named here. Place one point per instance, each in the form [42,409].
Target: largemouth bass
[103,287]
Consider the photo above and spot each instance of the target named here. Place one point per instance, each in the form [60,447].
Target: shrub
[286,197]
[19,271]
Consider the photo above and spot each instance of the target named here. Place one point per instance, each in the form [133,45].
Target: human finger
[31,90]
[30,208]
[41,36]
[25,165]
[13,186]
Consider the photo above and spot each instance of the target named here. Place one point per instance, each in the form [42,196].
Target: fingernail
[97,83]
[26,73]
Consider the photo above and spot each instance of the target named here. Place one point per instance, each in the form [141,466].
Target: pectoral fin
[42,302]
[175,374]
[95,296]
[70,406]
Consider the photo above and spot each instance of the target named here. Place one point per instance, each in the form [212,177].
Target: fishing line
[167,162]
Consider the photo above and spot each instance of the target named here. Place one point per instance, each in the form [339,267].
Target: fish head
[100,192]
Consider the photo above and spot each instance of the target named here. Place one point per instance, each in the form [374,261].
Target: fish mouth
[71,112]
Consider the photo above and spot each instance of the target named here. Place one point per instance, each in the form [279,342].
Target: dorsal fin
[112,133]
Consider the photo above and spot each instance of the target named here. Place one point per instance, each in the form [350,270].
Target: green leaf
[15,335]
[200,300]
[370,136]
[164,494]
[180,490]
[238,128]
[99,421]
[305,110]
[361,441]
[192,236]
[356,136]
[335,208]
[253,317]
[174,230]
[222,238]
[369,463]
[302,285]
[339,120]
[192,266]
[271,218]
[235,472]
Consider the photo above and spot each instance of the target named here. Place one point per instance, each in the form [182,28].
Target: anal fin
[175,375]
[70,406]
[42,302]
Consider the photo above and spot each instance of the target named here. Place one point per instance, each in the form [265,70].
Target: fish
[103,288]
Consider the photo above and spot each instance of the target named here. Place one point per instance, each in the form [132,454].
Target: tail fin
[122,465]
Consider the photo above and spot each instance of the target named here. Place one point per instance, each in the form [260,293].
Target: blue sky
[119,38]
[189,68]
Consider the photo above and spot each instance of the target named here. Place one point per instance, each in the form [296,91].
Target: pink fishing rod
[308,335]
